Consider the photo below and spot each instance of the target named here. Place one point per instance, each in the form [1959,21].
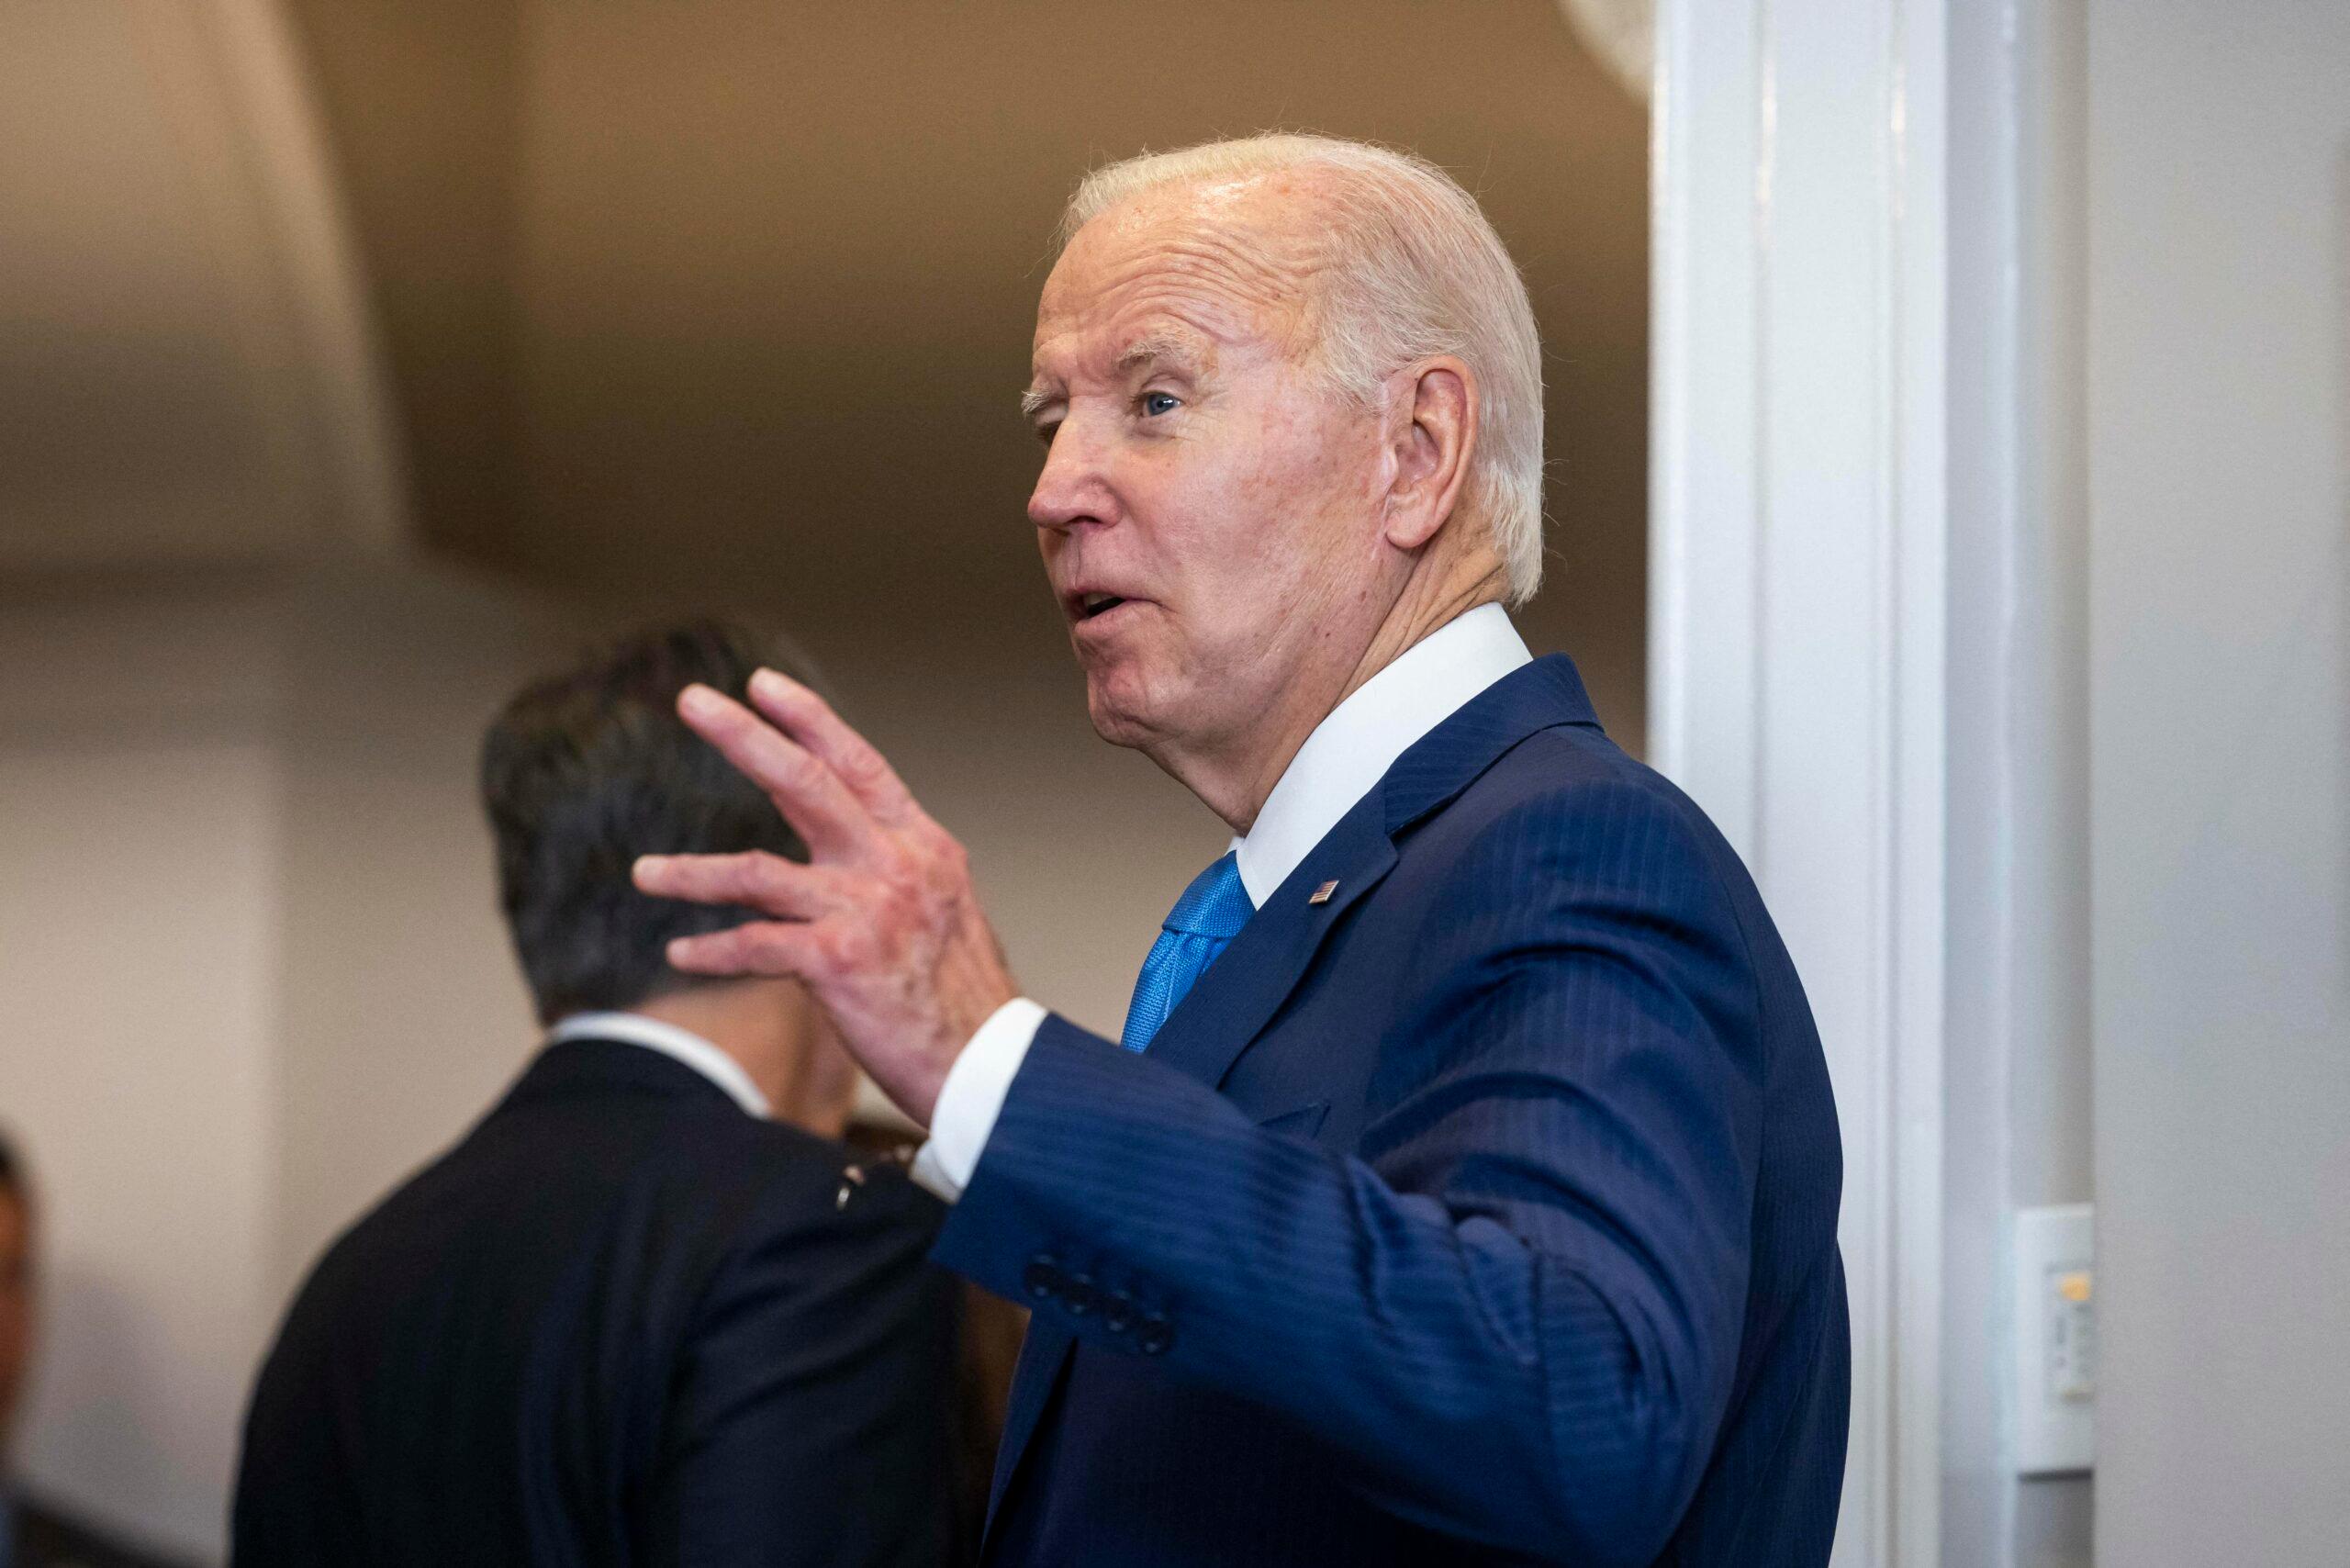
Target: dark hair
[12,1169]
[583,772]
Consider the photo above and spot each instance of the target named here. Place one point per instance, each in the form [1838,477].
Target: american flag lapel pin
[1321,894]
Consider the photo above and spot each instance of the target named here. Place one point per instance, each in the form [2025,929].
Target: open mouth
[1093,604]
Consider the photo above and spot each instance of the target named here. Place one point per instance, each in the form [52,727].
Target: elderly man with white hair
[1463,1188]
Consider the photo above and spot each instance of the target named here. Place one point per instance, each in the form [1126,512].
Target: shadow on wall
[114,1362]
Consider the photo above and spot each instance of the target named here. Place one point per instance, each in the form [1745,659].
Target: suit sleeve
[812,1418]
[1517,1307]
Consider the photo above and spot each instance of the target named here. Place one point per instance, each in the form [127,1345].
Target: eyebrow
[1152,347]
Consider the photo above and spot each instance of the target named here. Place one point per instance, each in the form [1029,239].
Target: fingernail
[697,698]
[768,681]
[645,866]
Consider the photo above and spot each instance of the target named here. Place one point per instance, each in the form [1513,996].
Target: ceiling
[728,301]
[181,376]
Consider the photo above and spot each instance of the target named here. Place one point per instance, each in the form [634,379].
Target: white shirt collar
[1353,748]
[680,1044]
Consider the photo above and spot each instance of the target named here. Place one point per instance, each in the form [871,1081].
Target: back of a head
[1410,269]
[587,770]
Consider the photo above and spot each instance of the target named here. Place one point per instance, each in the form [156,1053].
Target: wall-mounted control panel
[2056,1320]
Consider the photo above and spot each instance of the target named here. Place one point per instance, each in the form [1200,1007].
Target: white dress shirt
[1348,752]
[680,1044]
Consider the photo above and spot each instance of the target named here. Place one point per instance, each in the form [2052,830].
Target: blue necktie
[1202,924]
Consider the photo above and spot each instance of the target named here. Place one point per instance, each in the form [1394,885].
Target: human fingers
[810,795]
[757,948]
[856,761]
[753,880]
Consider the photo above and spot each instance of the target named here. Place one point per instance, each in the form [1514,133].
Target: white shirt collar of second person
[1353,748]
[680,1044]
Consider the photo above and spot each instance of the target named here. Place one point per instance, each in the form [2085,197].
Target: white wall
[2219,397]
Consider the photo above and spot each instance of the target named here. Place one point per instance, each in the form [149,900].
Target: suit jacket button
[1117,1312]
[1044,1276]
[1156,1334]
[1079,1295]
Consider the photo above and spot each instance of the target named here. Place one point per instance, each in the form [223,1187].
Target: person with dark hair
[648,1311]
[34,1532]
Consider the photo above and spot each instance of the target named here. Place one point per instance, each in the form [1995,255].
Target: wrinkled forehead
[1212,264]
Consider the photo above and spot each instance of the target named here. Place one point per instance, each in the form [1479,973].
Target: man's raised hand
[882,924]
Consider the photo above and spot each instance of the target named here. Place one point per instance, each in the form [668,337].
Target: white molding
[1798,580]
[1708,212]
[2016,971]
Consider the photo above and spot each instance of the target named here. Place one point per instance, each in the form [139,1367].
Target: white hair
[1414,271]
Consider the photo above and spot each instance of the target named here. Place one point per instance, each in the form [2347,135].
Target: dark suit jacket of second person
[48,1537]
[623,1322]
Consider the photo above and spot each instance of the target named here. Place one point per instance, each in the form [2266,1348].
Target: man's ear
[1435,434]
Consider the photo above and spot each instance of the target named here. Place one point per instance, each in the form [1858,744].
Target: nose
[1073,489]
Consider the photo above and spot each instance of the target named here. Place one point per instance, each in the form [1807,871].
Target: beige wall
[139,850]
[137,1077]
[247,937]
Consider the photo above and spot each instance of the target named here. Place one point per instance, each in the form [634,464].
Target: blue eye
[1159,403]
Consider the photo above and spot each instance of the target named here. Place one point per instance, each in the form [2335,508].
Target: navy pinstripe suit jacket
[1482,1212]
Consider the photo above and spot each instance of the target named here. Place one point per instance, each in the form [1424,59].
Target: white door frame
[1798,585]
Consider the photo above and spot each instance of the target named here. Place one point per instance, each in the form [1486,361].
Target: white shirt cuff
[973,1097]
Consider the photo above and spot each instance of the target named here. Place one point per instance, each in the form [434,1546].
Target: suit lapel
[1242,990]
[1449,758]
[1246,986]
